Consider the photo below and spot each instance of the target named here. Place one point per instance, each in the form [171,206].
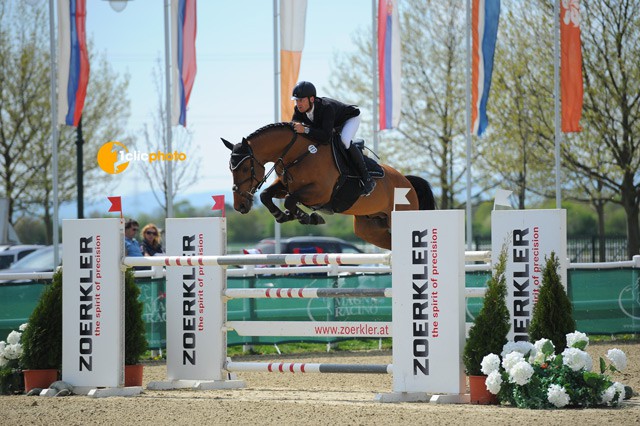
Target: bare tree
[185,172]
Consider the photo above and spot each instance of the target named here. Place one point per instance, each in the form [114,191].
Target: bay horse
[307,174]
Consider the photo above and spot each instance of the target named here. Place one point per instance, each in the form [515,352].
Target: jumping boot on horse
[358,160]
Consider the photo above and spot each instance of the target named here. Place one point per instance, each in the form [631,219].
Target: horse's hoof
[316,219]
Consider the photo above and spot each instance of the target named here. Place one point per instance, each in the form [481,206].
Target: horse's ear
[244,141]
[227,144]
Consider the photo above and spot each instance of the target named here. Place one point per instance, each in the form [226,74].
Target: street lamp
[118,5]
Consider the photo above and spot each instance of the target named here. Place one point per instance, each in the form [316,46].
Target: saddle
[348,188]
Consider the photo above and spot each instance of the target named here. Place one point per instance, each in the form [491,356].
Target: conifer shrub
[42,339]
[489,331]
[135,340]
[552,316]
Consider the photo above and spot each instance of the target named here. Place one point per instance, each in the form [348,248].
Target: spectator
[151,240]
[131,246]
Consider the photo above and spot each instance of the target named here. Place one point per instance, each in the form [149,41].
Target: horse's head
[247,172]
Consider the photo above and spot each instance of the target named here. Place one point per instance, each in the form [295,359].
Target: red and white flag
[389,63]
[293,14]
[570,65]
[183,57]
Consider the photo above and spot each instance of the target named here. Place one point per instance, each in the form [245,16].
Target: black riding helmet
[303,89]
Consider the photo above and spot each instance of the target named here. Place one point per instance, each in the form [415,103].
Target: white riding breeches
[349,130]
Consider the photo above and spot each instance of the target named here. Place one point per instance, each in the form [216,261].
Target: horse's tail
[426,200]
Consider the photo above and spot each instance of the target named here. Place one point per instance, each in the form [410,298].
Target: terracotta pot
[478,392]
[39,378]
[133,375]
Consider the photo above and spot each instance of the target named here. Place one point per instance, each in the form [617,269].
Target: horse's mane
[285,124]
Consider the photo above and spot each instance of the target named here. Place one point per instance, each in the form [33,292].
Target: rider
[318,117]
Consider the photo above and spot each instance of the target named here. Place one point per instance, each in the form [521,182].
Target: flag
[116,204]
[218,203]
[570,65]
[73,69]
[389,64]
[183,57]
[400,197]
[293,14]
[485,15]
[502,198]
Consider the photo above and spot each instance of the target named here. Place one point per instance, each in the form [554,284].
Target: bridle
[249,195]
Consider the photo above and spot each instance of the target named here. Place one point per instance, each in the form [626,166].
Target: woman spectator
[151,242]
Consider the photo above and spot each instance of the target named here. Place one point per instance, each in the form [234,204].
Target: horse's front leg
[275,190]
[291,203]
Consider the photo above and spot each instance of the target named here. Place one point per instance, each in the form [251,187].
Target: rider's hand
[298,127]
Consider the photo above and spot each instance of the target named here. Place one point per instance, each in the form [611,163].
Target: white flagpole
[374,73]
[556,90]
[276,103]
[167,66]
[54,132]
[468,131]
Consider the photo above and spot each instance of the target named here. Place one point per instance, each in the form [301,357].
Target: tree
[25,117]
[184,172]
[430,138]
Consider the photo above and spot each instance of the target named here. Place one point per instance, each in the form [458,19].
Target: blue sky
[233,94]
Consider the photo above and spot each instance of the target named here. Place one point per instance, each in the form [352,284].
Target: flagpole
[374,66]
[468,131]
[54,132]
[556,89]
[167,66]
[276,103]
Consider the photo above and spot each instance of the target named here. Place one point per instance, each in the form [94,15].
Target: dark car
[310,244]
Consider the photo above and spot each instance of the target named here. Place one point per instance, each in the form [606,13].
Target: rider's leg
[348,132]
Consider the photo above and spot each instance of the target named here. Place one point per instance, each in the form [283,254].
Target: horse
[306,174]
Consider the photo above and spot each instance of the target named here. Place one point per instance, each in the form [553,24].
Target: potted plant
[488,333]
[42,338]
[135,341]
[552,316]
[11,380]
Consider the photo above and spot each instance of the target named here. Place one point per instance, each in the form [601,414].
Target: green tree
[25,117]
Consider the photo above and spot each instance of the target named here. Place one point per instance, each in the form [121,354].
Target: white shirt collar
[310,112]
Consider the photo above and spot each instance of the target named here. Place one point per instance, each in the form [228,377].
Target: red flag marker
[218,203]
[116,204]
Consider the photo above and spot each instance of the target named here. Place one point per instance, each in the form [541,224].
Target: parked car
[12,253]
[41,260]
[309,244]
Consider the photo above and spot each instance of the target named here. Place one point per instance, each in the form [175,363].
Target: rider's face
[303,104]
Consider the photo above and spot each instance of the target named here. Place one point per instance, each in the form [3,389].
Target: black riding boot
[358,161]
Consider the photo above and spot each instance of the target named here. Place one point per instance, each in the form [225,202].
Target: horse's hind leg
[373,230]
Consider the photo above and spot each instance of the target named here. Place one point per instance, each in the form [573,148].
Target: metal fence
[582,249]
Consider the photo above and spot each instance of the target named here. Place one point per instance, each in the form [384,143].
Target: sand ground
[305,399]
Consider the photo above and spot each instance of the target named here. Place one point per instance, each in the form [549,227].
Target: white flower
[511,359]
[13,351]
[542,352]
[617,358]
[494,382]
[23,327]
[3,344]
[14,337]
[607,395]
[576,359]
[490,363]
[619,387]
[521,373]
[557,396]
[577,337]
[522,347]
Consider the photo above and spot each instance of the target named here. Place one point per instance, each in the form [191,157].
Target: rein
[280,161]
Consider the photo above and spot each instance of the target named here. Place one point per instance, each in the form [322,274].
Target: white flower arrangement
[11,350]
[532,376]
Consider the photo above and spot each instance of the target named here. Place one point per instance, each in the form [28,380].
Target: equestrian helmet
[303,89]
